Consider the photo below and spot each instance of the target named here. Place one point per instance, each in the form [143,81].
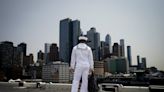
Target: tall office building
[129,56]
[53,54]
[91,38]
[76,31]
[143,63]
[94,38]
[102,50]
[138,61]
[122,49]
[40,57]
[116,50]
[46,52]
[6,54]
[18,56]
[108,42]
[11,60]
[23,46]
[28,60]
[97,45]
[20,53]
[6,58]
[65,39]
[31,58]
[69,33]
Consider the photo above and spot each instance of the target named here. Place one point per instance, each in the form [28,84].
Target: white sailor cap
[83,38]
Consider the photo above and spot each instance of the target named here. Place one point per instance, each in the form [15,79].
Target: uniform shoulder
[75,47]
[89,48]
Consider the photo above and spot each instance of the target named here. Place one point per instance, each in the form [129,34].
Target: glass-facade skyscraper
[97,45]
[54,54]
[65,30]
[143,63]
[116,49]
[11,59]
[91,38]
[76,31]
[129,56]
[138,61]
[46,52]
[69,33]
[108,42]
[94,38]
[6,54]
[23,46]
[122,49]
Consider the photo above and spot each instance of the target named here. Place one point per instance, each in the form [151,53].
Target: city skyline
[139,23]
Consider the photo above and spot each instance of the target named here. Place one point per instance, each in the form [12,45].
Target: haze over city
[36,22]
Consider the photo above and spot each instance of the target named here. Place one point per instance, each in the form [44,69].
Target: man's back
[81,64]
[81,56]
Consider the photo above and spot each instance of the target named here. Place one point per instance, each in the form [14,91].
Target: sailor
[81,64]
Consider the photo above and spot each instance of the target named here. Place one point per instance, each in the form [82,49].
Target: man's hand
[91,70]
[71,70]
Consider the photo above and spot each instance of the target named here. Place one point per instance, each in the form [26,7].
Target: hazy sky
[139,22]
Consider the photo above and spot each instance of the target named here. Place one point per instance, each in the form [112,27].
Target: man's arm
[73,59]
[91,60]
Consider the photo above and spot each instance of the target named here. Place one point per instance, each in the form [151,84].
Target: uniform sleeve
[73,59]
[91,59]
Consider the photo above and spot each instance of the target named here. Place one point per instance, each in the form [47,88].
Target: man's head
[83,39]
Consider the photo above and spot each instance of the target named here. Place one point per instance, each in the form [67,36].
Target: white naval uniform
[81,62]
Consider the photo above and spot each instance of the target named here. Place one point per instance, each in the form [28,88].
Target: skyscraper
[94,38]
[53,54]
[129,56]
[102,50]
[11,59]
[91,38]
[116,50]
[18,56]
[76,31]
[20,53]
[28,60]
[97,45]
[6,54]
[122,49]
[14,59]
[46,52]
[138,61]
[23,46]
[144,62]
[40,57]
[108,42]
[69,33]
